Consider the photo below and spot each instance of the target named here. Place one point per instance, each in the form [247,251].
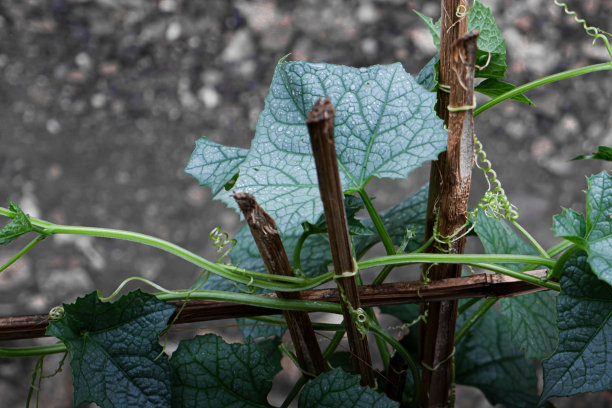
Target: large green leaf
[208,372]
[385,126]
[337,388]
[214,165]
[531,318]
[594,236]
[487,359]
[115,355]
[490,42]
[17,227]
[583,359]
[532,322]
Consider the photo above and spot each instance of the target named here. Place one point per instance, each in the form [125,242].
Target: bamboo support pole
[448,196]
[272,251]
[199,310]
[320,123]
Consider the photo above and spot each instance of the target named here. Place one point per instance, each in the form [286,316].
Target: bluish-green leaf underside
[213,165]
[385,126]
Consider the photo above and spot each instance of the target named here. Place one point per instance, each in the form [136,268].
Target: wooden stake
[263,229]
[199,310]
[448,196]
[320,123]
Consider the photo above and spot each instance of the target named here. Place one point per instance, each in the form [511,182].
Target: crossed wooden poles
[449,190]
[352,298]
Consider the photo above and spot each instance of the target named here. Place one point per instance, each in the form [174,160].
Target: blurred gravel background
[101,102]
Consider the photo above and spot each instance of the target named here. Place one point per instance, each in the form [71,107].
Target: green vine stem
[414,370]
[560,247]
[23,251]
[542,81]
[295,390]
[380,343]
[377,221]
[8,352]
[474,317]
[530,238]
[467,304]
[254,300]
[280,321]
[249,278]
[544,282]
[388,268]
[468,259]
[477,260]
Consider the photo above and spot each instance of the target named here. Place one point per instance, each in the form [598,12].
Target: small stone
[98,100]
[173,32]
[53,126]
[367,13]
[167,6]
[209,97]
[239,47]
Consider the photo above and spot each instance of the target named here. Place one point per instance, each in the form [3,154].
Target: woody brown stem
[265,234]
[320,123]
[448,197]
[199,310]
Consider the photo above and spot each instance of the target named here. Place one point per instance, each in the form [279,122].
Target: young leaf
[385,126]
[582,361]
[434,28]
[531,318]
[602,153]
[487,359]
[408,215]
[337,388]
[428,75]
[571,224]
[17,227]
[491,44]
[208,372]
[214,165]
[493,87]
[597,237]
[114,350]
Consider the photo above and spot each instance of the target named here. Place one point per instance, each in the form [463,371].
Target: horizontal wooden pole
[484,285]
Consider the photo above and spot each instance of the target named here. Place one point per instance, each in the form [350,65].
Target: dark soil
[101,103]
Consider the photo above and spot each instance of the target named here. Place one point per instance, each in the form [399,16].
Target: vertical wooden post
[448,196]
[263,229]
[320,123]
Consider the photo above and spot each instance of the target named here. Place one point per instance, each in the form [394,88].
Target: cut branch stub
[448,198]
[265,234]
[320,123]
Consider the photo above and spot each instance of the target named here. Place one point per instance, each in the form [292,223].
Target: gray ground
[102,101]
